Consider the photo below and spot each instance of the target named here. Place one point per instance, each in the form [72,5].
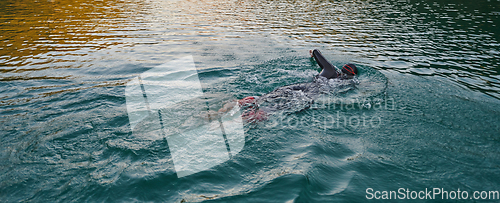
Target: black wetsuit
[300,96]
[327,69]
[292,97]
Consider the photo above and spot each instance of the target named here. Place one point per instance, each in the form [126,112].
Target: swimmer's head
[349,70]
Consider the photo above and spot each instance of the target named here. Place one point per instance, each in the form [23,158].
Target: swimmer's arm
[211,115]
[228,106]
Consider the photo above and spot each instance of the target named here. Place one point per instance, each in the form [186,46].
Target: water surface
[429,83]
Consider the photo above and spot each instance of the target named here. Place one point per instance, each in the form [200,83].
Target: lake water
[424,115]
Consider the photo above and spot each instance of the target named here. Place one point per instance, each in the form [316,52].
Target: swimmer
[329,71]
[296,96]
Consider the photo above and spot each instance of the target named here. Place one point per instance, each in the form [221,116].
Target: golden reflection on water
[39,35]
[32,32]
[30,28]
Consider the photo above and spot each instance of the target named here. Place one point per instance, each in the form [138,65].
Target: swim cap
[350,69]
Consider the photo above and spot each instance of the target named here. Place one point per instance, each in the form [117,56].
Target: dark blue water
[424,114]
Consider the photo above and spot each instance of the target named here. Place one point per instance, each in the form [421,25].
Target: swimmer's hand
[227,107]
[209,115]
[311,53]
